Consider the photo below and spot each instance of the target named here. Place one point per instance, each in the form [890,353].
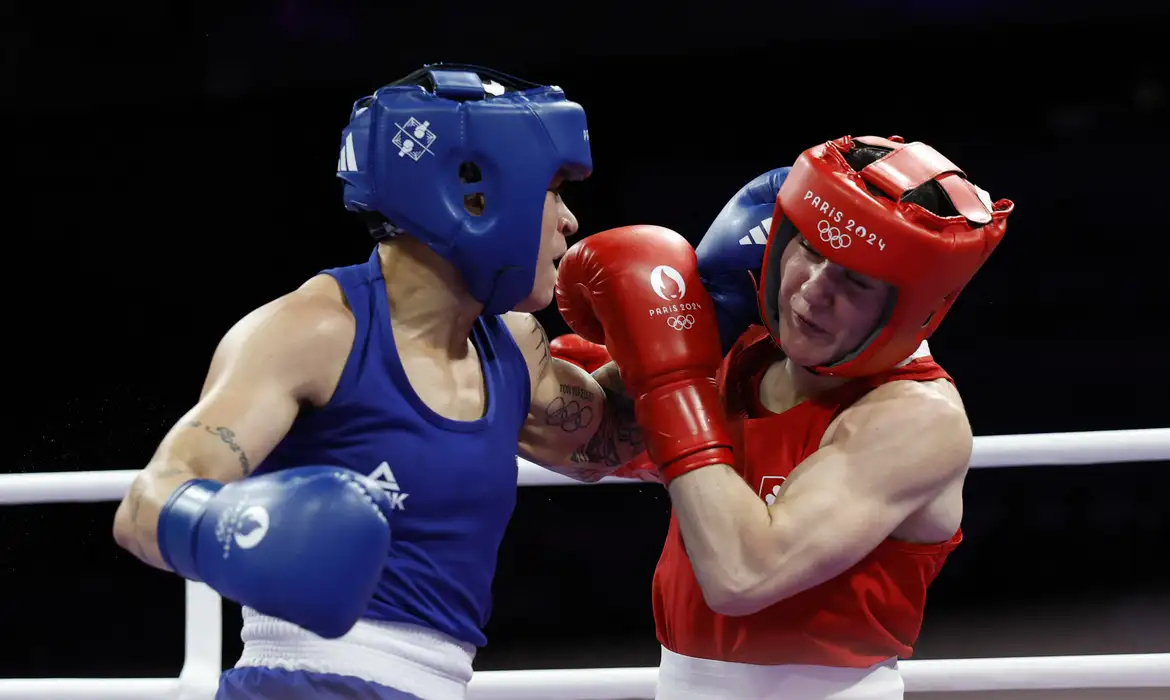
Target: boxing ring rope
[203,646]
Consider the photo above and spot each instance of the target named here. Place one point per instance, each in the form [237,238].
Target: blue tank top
[452,483]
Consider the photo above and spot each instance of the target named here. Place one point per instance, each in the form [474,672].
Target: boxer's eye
[809,249]
[858,282]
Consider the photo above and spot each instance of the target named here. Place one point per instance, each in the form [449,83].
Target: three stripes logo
[347,161]
[758,235]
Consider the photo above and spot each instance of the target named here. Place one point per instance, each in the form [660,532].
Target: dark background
[171,167]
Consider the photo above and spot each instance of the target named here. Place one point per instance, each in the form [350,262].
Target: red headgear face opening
[928,259]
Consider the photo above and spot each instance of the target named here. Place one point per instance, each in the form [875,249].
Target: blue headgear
[463,166]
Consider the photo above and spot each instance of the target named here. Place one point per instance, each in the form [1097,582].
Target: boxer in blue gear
[349,470]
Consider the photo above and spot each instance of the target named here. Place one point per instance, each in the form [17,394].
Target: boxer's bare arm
[891,454]
[579,425]
[285,354]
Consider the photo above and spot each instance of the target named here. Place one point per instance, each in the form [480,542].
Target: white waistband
[686,678]
[405,657]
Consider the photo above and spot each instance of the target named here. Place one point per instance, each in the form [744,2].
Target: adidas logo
[347,161]
[759,234]
[384,477]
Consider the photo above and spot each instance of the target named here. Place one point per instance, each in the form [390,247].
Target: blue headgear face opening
[463,166]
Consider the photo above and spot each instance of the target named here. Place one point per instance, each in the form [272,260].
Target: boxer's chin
[541,295]
[805,346]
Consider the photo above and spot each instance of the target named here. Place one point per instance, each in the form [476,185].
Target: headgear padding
[463,166]
[928,259]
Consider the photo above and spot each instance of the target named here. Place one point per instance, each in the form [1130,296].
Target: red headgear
[927,258]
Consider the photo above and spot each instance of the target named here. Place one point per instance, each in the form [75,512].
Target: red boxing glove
[639,468]
[636,290]
[573,348]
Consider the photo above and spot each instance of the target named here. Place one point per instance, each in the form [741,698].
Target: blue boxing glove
[306,545]
[732,252]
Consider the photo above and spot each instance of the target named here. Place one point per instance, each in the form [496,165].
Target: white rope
[1034,673]
[1039,673]
[204,617]
[567,684]
[1106,446]
[92,689]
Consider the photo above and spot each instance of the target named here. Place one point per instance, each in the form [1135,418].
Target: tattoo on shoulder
[618,438]
[542,346]
[227,437]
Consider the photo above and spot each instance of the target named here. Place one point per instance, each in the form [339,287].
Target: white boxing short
[687,678]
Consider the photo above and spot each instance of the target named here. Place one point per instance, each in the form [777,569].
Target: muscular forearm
[722,522]
[591,443]
[586,430]
[617,440]
[193,449]
[136,522]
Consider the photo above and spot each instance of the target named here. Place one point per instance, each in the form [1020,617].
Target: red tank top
[867,614]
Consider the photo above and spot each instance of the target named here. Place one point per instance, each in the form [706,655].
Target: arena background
[172,168]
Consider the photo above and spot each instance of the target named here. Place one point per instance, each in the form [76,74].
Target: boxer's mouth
[809,325]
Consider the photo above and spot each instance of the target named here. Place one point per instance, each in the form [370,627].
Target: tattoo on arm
[228,438]
[135,500]
[542,346]
[567,413]
[617,439]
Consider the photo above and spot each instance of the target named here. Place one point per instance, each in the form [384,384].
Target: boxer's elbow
[729,596]
[135,526]
[123,529]
[743,588]
[127,534]
[739,583]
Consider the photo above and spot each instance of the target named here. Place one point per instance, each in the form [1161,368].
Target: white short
[413,659]
[686,678]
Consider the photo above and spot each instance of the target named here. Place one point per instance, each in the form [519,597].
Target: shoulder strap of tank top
[355,282]
[353,278]
[507,359]
[922,369]
[751,353]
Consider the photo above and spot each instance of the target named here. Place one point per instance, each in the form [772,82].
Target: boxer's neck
[785,384]
[429,303]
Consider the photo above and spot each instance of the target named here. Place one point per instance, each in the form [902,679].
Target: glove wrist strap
[683,427]
[178,523]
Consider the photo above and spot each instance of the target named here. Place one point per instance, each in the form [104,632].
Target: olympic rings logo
[681,323]
[832,235]
[571,416]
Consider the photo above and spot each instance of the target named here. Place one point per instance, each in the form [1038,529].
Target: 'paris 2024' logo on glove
[670,286]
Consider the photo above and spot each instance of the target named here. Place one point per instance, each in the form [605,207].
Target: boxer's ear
[470,174]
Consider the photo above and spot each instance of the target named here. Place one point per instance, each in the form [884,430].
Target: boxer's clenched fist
[636,290]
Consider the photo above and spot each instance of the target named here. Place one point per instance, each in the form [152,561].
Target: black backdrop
[172,167]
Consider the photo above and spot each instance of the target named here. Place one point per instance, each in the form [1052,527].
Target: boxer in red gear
[818,492]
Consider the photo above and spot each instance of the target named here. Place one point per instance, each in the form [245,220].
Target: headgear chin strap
[460,157]
[928,259]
